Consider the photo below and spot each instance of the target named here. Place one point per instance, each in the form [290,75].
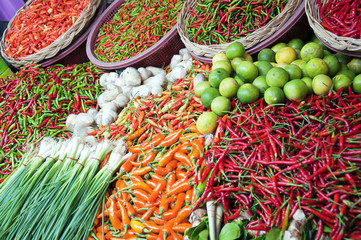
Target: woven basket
[60,43]
[331,40]
[157,55]
[248,41]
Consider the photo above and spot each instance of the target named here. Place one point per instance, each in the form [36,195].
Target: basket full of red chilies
[207,27]
[42,28]
[135,33]
[337,23]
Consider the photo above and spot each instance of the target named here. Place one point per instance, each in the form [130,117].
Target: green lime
[266,54]
[311,50]
[343,66]
[316,40]
[348,73]
[247,70]
[247,57]
[294,71]
[295,43]
[216,76]
[219,57]
[261,83]
[326,53]
[356,84]
[342,58]
[240,80]
[274,95]
[235,49]
[263,67]
[235,62]
[248,93]
[295,90]
[286,55]
[308,82]
[355,65]
[303,69]
[199,89]
[226,65]
[321,84]
[340,81]
[221,105]
[278,46]
[228,87]
[277,77]
[298,62]
[332,64]
[208,95]
[207,122]
[315,67]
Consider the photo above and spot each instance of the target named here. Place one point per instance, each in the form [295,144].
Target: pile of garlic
[121,88]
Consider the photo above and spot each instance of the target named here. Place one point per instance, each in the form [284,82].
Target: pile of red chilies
[35,102]
[272,160]
[342,18]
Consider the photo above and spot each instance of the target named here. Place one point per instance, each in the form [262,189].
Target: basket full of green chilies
[207,27]
[135,33]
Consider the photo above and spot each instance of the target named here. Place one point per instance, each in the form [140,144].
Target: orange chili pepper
[163,206]
[183,214]
[148,213]
[182,157]
[115,221]
[141,194]
[148,158]
[189,196]
[129,207]
[187,137]
[142,171]
[171,165]
[181,227]
[197,148]
[137,133]
[127,165]
[138,227]
[185,147]
[99,235]
[151,183]
[178,206]
[170,181]
[182,187]
[159,221]
[174,235]
[150,224]
[180,173]
[136,178]
[161,171]
[141,185]
[167,228]
[195,130]
[157,191]
[151,236]
[171,138]
[157,177]
[156,140]
[167,157]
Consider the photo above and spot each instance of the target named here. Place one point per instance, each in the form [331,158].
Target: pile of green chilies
[135,27]
[222,21]
[35,102]
[270,161]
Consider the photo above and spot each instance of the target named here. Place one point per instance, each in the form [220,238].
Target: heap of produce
[135,27]
[341,18]
[35,103]
[284,73]
[217,22]
[40,24]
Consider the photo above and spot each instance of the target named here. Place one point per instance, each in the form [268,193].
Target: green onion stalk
[82,218]
[35,209]
[83,172]
[15,194]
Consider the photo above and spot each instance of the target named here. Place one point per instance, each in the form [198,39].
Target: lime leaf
[203,235]
[274,234]
[230,231]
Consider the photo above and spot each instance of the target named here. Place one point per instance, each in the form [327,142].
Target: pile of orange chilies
[153,195]
[41,24]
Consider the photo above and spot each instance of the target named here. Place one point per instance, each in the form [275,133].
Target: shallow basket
[60,43]
[157,55]
[248,41]
[344,45]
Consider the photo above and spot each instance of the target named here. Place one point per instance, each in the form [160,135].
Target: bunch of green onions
[56,192]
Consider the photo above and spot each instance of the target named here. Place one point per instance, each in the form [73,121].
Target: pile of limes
[284,71]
